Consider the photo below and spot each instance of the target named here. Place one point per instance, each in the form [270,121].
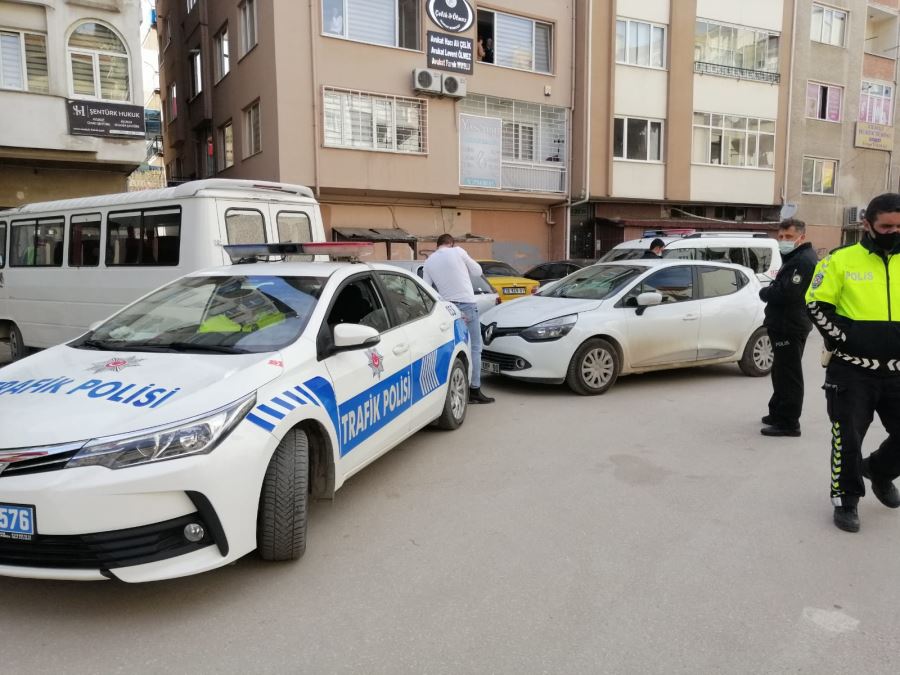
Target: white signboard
[480,151]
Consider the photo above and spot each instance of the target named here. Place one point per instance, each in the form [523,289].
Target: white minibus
[67,264]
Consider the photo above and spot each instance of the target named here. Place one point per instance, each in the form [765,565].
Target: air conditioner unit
[855,214]
[453,85]
[426,81]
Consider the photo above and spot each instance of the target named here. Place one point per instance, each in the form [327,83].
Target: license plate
[514,290]
[490,367]
[16,521]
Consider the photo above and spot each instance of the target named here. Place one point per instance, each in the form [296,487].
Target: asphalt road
[650,530]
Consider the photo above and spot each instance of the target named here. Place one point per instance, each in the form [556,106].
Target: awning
[377,235]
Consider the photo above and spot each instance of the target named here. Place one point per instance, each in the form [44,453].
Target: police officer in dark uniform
[854,301]
[788,325]
[655,250]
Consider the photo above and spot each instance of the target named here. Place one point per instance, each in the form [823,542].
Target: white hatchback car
[612,319]
[193,426]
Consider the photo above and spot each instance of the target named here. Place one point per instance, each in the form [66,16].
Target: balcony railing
[703,68]
[533,177]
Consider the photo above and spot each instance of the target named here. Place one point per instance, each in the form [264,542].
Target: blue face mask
[786,246]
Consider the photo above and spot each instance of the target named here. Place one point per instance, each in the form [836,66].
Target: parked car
[194,425]
[755,250]
[556,269]
[612,319]
[485,295]
[506,280]
[633,249]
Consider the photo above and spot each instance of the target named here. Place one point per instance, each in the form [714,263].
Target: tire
[757,358]
[284,501]
[457,401]
[17,348]
[594,368]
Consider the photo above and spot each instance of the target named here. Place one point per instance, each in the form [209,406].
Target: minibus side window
[2,245]
[245,226]
[294,226]
[760,259]
[84,240]
[37,242]
[151,237]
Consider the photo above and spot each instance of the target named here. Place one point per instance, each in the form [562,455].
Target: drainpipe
[790,95]
[587,107]
[315,98]
[888,187]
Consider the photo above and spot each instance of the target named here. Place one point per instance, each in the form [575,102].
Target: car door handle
[445,326]
[400,349]
[690,317]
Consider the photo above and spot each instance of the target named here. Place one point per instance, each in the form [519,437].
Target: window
[823,102]
[394,23]
[196,65]
[828,25]
[640,44]
[226,146]
[374,122]
[248,25]
[518,141]
[252,131]
[759,259]
[36,242]
[876,103]
[638,139]
[405,297]
[359,302]
[172,101]
[716,282]
[735,47]
[675,284]
[23,62]
[223,61]
[515,42]
[2,245]
[294,226]
[819,176]
[245,226]
[190,5]
[98,64]
[732,140]
[143,238]
[84,240]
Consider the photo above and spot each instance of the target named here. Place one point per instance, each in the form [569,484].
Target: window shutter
[372,21]
[36,63]
[542,47]
[113,78]
[513,46]
[83,74]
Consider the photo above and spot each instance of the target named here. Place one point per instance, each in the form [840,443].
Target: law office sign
[108,120]
[874,136]
[454,16]
[449,52]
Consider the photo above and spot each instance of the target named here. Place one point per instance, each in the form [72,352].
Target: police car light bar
[336,250]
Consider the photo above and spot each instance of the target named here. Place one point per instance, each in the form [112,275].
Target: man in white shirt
[450,270]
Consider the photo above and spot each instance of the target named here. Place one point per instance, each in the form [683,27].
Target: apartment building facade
[425,117]
[70,92]
[843,113]
[683,105]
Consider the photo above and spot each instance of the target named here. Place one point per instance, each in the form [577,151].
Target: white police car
[193,426]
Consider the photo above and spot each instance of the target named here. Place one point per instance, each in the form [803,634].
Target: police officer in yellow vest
[854,301]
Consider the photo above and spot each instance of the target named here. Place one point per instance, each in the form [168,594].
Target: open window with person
[514,41]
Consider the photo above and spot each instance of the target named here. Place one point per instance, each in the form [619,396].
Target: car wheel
[594,368]
[17,348]
[758,356]
[283,504]
[457,400]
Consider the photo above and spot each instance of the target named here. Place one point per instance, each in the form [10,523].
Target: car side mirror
[649,299]
[350,336]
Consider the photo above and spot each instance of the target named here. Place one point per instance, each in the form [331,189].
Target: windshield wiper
[102,345]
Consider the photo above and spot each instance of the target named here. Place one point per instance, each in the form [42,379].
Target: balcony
[881,33]
[703,68]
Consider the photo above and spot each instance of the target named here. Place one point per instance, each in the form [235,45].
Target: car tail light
[535,289]
[498,300]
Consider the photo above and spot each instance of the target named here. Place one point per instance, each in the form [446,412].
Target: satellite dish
[789,210]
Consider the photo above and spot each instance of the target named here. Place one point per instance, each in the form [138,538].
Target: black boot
[475,396]
[886,492]
[768,420]
[846,518]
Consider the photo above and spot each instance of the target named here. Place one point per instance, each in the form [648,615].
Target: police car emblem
[797,278]
[117,363]
[376,362]
[817,280]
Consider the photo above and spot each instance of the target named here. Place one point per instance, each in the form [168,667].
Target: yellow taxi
[507,281]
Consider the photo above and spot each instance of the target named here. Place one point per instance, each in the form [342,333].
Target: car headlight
[550,330]
[196,436]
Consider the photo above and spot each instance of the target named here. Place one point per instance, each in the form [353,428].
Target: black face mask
[886,242]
